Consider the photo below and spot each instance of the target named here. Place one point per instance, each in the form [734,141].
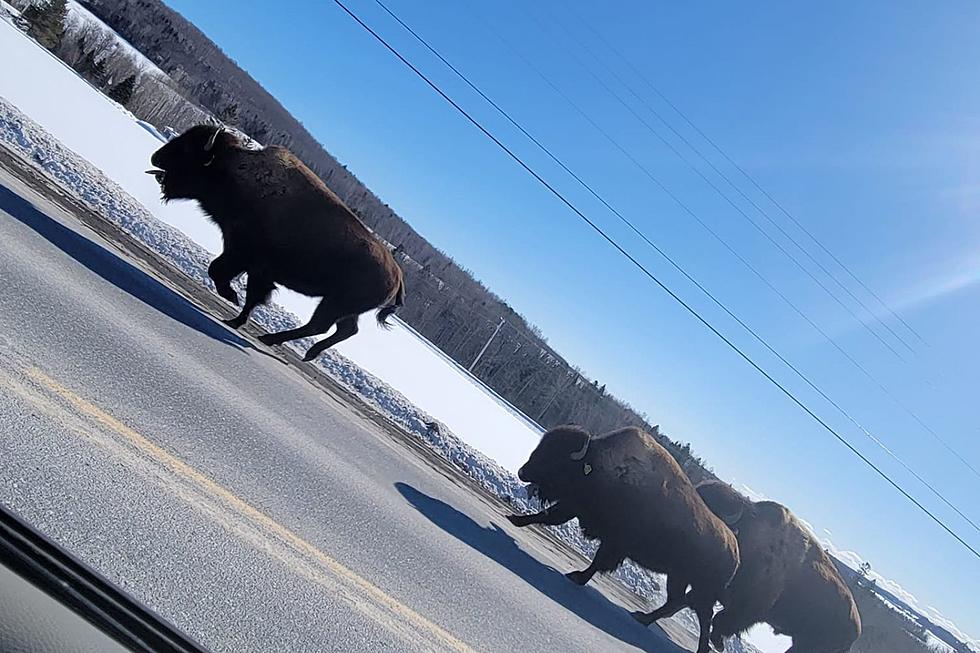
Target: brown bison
[785,578]
[629,493]
[281,225]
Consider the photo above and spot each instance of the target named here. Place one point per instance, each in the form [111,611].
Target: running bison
[281,225]
[785,579]
[633,497]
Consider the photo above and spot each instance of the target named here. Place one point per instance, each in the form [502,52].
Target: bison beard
[631,495]
[785,579]
[281,225]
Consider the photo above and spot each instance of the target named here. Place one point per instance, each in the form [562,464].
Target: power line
[942,441]
[794,260]
[731,183]
[753,181]
[881,386]
[636,230]
[655,279]
[643,236]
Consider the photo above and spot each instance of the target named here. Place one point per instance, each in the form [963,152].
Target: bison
[281,225]
[785,579]
[629,493]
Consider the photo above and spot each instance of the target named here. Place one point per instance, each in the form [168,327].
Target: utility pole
[489,340]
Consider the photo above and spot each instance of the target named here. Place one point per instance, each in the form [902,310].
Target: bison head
[557,461]
[182,166]
[727,504]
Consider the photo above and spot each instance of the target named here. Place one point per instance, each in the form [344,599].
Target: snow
[8,9]
[99,151]
[153,131]
[401,358]
[79,16]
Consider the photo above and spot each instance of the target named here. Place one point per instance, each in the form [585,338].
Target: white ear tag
[587,469]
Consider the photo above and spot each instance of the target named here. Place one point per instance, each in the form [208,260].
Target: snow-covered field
[97,150]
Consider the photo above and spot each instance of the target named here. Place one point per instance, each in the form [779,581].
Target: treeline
[179,77]
[103,59]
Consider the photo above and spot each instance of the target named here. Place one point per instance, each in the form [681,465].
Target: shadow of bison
[281,225]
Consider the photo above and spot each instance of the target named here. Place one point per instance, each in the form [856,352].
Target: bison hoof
[234,323]
[578,577]
[269,339]
[230,295]
[311,355]
[718,641]
[518,520]
[643,617]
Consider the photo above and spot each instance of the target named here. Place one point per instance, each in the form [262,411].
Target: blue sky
[863,119]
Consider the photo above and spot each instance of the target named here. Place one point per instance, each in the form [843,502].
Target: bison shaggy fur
[785,579]
[281,225]
[629,493]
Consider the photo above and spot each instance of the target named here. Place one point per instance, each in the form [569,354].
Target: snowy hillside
[79,17]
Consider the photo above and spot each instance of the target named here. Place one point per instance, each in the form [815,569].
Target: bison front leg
[223,271]
[257,292]
[553,515]
[606,558]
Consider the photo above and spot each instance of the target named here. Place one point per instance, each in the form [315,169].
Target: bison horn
[580,454]
[214,137]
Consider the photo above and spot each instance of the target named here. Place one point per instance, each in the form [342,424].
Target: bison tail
[384,314]
[389,309]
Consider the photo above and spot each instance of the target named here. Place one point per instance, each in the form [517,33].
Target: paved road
[224,490]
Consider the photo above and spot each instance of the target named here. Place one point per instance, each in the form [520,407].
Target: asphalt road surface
[242,502]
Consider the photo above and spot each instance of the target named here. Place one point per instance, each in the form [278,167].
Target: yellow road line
[360,593]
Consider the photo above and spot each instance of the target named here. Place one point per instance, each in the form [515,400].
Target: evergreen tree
[123,91]
[86,61]
[99,72]
[47,22]
[229,114]
[79,52]
[87,66]
[92,69]
[260,132]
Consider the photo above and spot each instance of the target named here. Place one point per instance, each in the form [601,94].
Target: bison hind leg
[322,319]
[346,327]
